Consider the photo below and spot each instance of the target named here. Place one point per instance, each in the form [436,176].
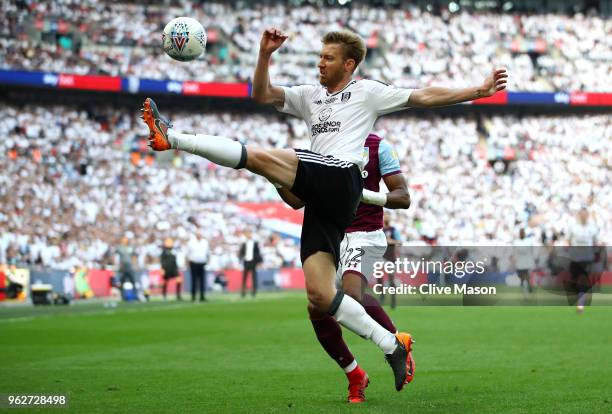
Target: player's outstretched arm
[437,96]
[263,91]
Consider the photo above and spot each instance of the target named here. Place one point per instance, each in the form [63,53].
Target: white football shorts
[358,251]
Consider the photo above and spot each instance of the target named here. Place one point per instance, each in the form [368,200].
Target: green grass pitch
[261,356]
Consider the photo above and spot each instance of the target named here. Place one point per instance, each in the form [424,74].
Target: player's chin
[322,80]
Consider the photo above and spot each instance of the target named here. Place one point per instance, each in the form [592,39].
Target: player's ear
[350,65]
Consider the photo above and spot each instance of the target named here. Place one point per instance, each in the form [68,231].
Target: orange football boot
[158,126]
[407,341]
[401,361]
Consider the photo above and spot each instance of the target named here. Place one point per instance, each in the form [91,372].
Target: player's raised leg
[277,165]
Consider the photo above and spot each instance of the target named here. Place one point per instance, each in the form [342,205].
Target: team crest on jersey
[346,96]
[179,36]
[365,156]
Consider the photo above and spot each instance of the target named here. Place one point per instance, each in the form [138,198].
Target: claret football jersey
[381,161]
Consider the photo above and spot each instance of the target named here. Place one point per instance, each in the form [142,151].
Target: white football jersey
[339,123]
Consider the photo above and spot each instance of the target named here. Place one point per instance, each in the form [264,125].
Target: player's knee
[318,300]
[311,310]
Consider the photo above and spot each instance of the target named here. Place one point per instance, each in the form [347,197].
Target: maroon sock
[329,335]
[373,308]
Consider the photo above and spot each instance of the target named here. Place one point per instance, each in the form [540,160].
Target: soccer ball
[184,39]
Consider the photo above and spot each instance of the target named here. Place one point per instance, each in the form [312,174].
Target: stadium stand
[74,183]
[408,46]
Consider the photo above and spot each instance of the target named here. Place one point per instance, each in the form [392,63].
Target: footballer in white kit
[340,113]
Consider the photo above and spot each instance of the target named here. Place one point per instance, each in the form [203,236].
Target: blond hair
[352,44]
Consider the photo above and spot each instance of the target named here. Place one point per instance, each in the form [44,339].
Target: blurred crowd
[70,190]
[407,46]
[480,180]
[73,183]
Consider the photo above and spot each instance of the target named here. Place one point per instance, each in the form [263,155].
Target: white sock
[581,299]
[350,366]
[220,150]
[353,316]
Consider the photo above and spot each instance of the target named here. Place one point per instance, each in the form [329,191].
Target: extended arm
[438,96]
[263,91]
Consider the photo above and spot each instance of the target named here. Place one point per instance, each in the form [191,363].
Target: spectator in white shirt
[251,257]
[197,255]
